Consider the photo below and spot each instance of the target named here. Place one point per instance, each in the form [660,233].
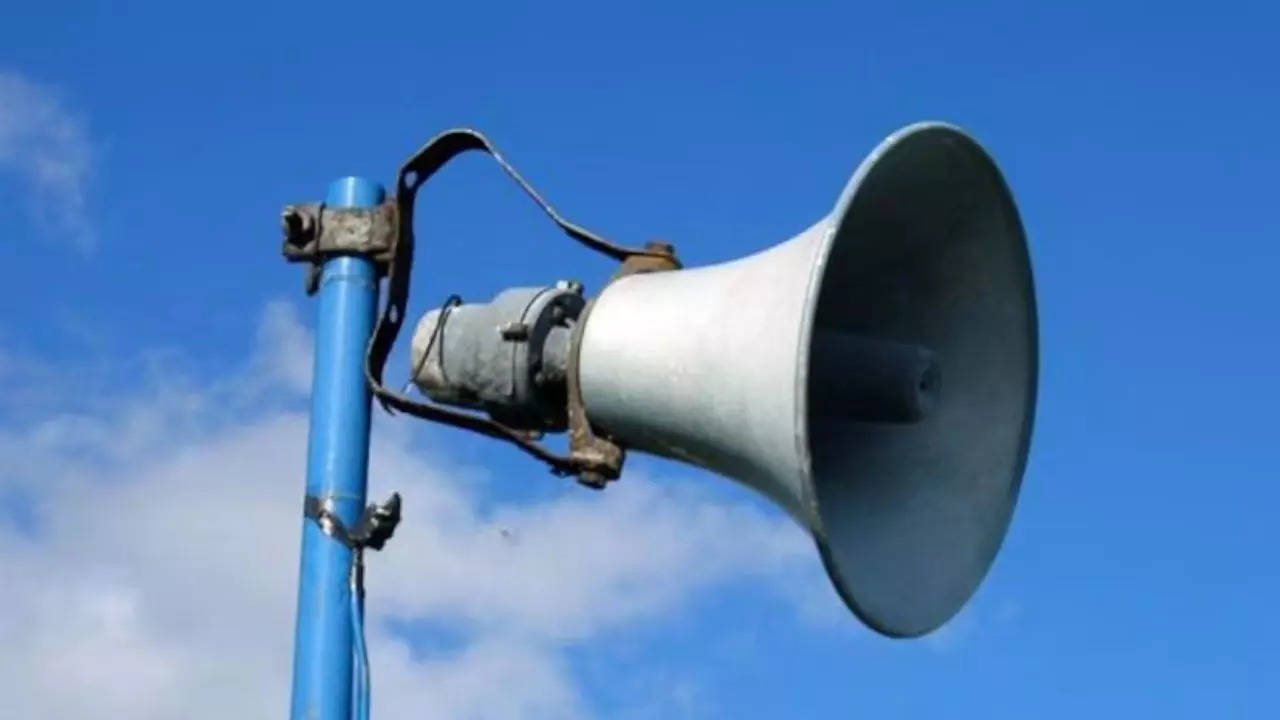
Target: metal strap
[413,174]
[330,524]
[377,522]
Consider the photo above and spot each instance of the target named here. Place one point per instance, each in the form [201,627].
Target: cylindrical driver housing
[507,357]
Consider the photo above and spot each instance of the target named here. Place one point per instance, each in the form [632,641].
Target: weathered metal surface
[675,363]
[377,523]
[658,256]
[313,232]
[909,493]
[419,168]
[599,458]
[507,357]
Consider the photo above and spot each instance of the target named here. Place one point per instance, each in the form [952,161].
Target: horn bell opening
[925,249]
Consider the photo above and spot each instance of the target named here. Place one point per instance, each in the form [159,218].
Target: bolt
[290,222]
[660,247]
[514,331]
[298,225]
[572,286]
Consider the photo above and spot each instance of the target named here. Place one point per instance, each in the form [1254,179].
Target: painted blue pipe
[337,469]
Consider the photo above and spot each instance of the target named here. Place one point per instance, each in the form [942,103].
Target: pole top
[354,192]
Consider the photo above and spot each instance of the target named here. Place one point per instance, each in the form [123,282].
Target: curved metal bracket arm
[589,456]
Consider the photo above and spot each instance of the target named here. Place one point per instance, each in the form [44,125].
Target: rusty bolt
[654,246]
[298,225]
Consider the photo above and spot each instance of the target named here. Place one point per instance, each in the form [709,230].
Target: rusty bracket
[659,256]
[598,460]
[313,232]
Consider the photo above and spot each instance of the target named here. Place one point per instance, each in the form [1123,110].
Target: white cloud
[159,579]
[48,147]
[284,349]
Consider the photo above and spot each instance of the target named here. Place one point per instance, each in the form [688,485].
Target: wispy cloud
[158,569]
[47,147]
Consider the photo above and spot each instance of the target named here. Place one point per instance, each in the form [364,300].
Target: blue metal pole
[337,469]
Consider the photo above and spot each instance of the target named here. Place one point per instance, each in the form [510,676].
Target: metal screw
[514,331]
[572,286]
[660,247]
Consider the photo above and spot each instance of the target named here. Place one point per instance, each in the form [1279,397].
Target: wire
[450,303]
[359,650]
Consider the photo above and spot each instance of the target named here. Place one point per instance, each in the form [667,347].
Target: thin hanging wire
[360,654]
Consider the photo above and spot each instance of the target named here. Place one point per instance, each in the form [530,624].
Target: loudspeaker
[875,375]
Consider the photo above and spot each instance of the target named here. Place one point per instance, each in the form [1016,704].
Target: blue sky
[148,328]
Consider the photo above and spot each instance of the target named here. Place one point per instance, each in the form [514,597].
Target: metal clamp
[376,526]
[314,232]
[600,459]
